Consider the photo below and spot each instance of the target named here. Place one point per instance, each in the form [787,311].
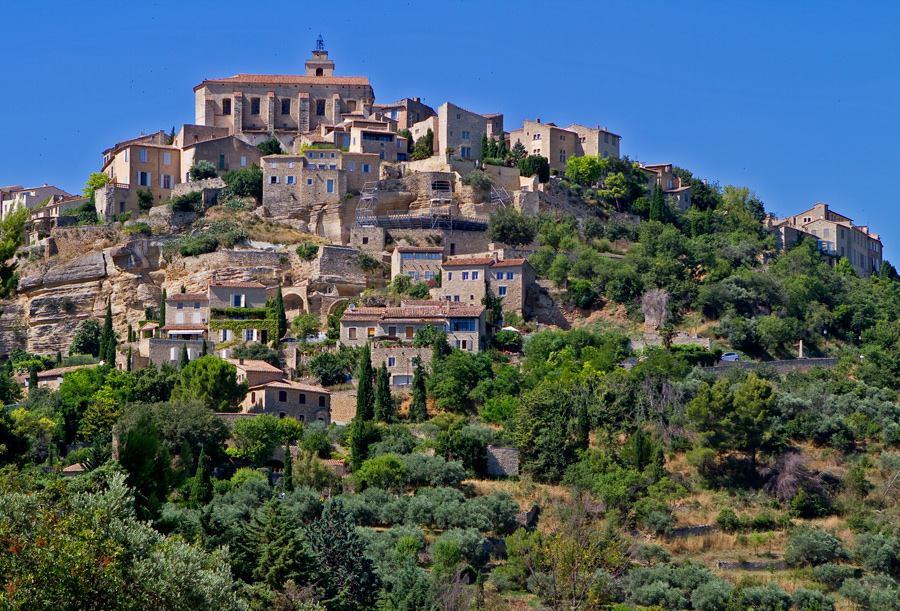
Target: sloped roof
[290,384]
[286,79]
[469,261]
[509,263]
[254,365]
[239,285]
[52,373]
[420,249]
[187,297]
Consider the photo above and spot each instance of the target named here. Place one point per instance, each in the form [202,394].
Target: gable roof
[187,297]
[290,384]
[239,285]
[509,263]
[254,366]
[285,79]
[469,262]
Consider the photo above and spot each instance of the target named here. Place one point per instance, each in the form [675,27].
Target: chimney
[537,120]
[240,361]
[417,99]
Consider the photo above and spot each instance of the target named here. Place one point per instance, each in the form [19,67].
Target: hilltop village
[341,354]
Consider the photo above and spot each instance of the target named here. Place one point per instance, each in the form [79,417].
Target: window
[463,324]
[392,361]
[282,395]
[143,155]
[332,167]
[302,398]
[291,180]
[465,135]
[309,181]
[254,106]
[449,275]
[465,275]
[456,298]
[458,116]
[285,106]
[224,335]
[499,275]
[351,333]
[381,155]
[365,168]
[166,181]
[273,180]
[501,291]
[226,106]
[274,165]
[221,162]
[474,275]
[243,162]
[320,107]
[180,306]
[253,397]
[365,240]
[167,158]
[352,167]
[329,188]
[173,354]
[238,301]
[126,154]
[562,156]
[562,137]
[536,137]
[321,401]
[606,137]
[509,275]
[410,332]
[370,332]
[332,155]
[605,154]
[144,179]
[392,331]
[196,305]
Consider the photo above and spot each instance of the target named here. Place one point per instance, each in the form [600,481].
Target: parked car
[731,356]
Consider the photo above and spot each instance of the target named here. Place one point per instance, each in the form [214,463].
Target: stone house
[406,112]
[13,197]
[375,137]
[52,378]
[836,237]
[146,163]
[464,280]
[52,215]
[421,263]
[159,350]
[255,107]
[558,144]
[661,176]
[399,357]
[511,280]
[464,324]
[294,178]
[237,312]
[288,399]
[461,130]
[255,372]
[226,154]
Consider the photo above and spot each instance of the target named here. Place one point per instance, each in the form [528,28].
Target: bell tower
[319,65]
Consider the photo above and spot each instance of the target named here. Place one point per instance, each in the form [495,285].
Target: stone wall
[370,240]
[343,406]
[338,261]
[183,188]
[501,176]
[502,462]
[681,339]
[75,241]
[403,355]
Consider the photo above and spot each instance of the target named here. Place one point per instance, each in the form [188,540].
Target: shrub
[141,227]
[712,596]
[728,521]
[879,553]
[652,554]
[386,471]
[308,251]
[810,600]
[246,182]
[535,165]
[508,341]
[582,293]
[145,199]
[189,202]
[425,470]
[833,575]
[328,368]
[659,522]
[367,262]
[813,547]
[477,180]
[770,597]
[203,169]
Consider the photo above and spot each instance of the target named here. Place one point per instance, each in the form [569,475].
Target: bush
[508,341]
[477,180]
[712,596]
[246,182]
[189,202]
[203,169]
[833,575]
[308,251]
[141,227]
[813,547]
[328,368]
[367,262]
[535,165]
[727,521]
[386,472]
[145,199]
[810,600]
[435,471]
[770,597]
[582,293]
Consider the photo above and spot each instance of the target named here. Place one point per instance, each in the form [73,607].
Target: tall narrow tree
[418,410]
[58,358]
[107,335]
[280,316]
[185,359]
[658,209]
[201,489]
[128,363]
[162,308]
[384,403]
[365,397]
[288,468]
[484,146]
[32,377]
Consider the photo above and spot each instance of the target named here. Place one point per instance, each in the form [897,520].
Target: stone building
[661,175]
[407,112]
[460,129]
[464,324]
[511,280]
[836,237]
[375,137]
[145,163]
[255,107]
[421,263]
[237,312]
[399,358]
[465,279]
[468,279]
[558,144]
[14,197]
[225,154]
[289,399]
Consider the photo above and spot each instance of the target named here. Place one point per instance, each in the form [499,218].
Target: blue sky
[796,100]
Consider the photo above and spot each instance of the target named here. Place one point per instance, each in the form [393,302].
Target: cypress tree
[162,308]
[365,399]
[128,364]
[658,211]
[288,468]
[418,410]
[203,349]
[184,356]
[107,334]
[492,148]
[201,489]
[183,290]
[502,150]
[58,358]
[130,333]
[111,349]
[32,377]
[484,146]
[384,403]
[280,316]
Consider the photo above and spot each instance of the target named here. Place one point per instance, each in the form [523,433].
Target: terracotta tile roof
[414,312]
[469,261]
[292,385]
[509,263]
[465,311]
[420,249]
[334,462]
[148,326]
[422,303]
[239,285]
[286,79]
[184,327]
[52,373]
[364,313]
[76,468]
[187,297]
[254,365]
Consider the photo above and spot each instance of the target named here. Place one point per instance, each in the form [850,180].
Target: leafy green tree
[12,235]
[328,368]
[288,468]
[256,438]
[308,251]
[33,376]
[13,444]
[76,393]
[383,405]
[362,435]
[180,426]
[535,165]
[502,148]
[385,471]
[659,210]
[212,382]
[349,580]
[10,391]
[185,359]
[201,488]
[306,324]
[202,169]
[365,392]
[94,182]
[459,373]
[258,352]
[418,409]
[87,338]
[509,226]
[585,170]
[410,143]
[272,146]
[424,147]
[148,464]
[246,182]
[518,151]
[616,189]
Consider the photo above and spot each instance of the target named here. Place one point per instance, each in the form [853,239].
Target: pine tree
[184,356]
[418,410]
[384,403]
[10,391]
[111,349]
[32,377]
[349,580]
[365,399]
[484,146]
[162,308]
[362,433]
[288,468]
[201,489]
[658,209]
[107,334]
[280,316]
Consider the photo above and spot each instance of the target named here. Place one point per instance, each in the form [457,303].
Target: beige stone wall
[126,165]
[373,141]
[370,240]
[461,130]
[464,285]
[302,405]
[225,154]
[516,288]
[501,176]
[190,312]
[420,129]
[402,355]
[298,181]
[554,143]
[220,296]
[353,165]
[421,269]
[160,351]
